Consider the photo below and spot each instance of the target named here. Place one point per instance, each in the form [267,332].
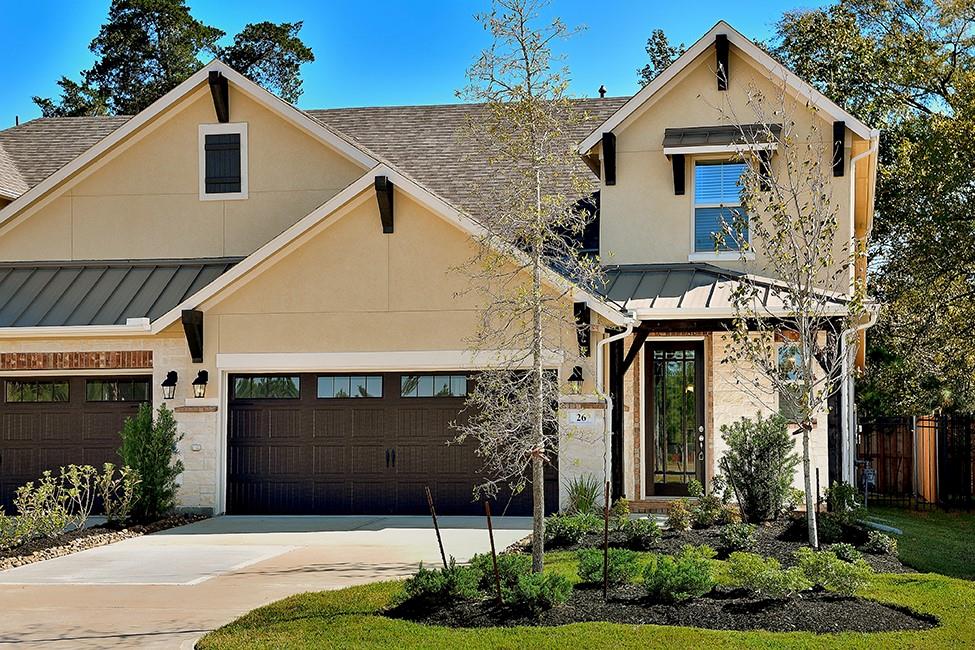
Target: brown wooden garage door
[299,444]
[50,422]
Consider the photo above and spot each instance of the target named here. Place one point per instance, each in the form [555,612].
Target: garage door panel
[248,424]
[332,424]
[331,460]
[285,460]
[332,497]
[368,459]
[368,424]
[59,427]
[415,459]
[284,424]
[20,427]
[21,461]
[373,497]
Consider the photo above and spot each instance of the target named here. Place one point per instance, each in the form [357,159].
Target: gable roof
[12,183]
[759,56]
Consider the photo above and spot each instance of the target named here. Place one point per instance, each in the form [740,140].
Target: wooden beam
[193,329]
[609,158]
[583,327]
[677,162]
[639,338]
[839,147]
[220,92]
[721,60]
[384,194]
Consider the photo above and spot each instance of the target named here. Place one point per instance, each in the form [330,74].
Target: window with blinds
[717,200]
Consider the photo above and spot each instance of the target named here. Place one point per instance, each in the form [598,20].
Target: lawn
[352,618]
[936,541]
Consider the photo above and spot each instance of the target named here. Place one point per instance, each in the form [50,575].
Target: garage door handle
[394,458]
[387,458]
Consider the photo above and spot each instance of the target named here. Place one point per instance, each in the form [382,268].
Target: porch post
[616,425]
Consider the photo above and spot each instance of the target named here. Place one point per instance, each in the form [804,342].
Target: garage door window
[267,387]
[350,386]
[18,392]
[117,390]
[433,386]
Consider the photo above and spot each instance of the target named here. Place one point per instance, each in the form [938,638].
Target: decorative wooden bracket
[839,140]
[221,95]
[639,338]
[193,329]
[384,194]
[609,158]
[677,161]
[583,327]
[721,60]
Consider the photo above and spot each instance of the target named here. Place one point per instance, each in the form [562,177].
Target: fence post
[914,489]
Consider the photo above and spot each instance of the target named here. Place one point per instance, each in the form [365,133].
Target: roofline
[132,327]
[756,54]
[274,103]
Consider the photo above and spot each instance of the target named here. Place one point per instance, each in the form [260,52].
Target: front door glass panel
[676,414]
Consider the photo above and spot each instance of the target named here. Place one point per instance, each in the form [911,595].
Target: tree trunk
[810,496]
[538,513]
[538,423]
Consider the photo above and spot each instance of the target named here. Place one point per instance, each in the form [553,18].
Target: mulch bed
[722,609]
[46,548]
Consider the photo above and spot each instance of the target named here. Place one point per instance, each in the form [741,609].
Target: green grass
[936,541]
[352,618]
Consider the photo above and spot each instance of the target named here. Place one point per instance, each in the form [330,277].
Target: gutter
[132,327]
[607,420]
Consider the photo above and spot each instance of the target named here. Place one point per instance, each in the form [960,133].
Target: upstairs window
[717,200]
[223,161]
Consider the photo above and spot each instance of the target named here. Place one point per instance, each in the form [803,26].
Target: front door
[675,416]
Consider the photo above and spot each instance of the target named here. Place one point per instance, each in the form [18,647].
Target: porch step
[654,505]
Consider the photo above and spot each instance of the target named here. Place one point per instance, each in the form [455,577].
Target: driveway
[168,589]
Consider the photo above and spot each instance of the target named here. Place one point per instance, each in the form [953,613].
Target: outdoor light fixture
[575,380]
[169,385]
[200,384]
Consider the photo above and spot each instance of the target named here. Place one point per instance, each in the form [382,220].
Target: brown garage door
[301,444]
[49,422]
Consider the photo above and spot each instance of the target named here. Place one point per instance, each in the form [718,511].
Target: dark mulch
[723,609]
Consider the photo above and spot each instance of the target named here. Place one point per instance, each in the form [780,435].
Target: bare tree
[793,338]
[532,231]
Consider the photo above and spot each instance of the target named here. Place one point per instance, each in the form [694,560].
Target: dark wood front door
[306,454]
[675,441]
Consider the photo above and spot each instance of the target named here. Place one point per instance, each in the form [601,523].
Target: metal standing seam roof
[704,136]
[100,292]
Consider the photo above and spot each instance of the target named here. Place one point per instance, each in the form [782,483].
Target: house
[287,282]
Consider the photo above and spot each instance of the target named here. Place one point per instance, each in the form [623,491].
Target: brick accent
[195,409]
[109,360]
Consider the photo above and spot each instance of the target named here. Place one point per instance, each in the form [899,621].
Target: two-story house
[287,281]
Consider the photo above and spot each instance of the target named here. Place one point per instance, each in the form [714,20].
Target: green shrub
[681,577]
[443,585]
[621,566]
[823,568]
[759,463]
[879,543]
[584,495]
[679,515]
[643,533]
[695,489]
[797,499]
[843,502]
[566,530]
[720,487]
[149,448]
[9,533]
[738,537]
[730,514]
[536,592]
[78,484]
[619,514]
[511,566]
[117,492]
[845,552]
[764,577]
[829,528]
[42,508]
[707,511]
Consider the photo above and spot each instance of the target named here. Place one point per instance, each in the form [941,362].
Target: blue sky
[379,52]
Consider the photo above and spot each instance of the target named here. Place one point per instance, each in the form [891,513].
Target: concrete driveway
[168,589]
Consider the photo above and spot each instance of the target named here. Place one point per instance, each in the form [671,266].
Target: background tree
[148,47]
[531,230]
[661,54]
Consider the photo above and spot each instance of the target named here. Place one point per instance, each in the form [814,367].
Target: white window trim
[216,129]
[711,256]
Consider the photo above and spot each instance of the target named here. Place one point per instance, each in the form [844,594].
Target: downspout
[607,420]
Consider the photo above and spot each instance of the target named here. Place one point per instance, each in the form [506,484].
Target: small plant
[845,552]
[9,534]
[537,592]
[679,515]
[738,537]
[443,585]
[78,483]
[149,447]
[707,511]
[797,498]
[695,489]
[823,568]
[720,487]
[584,494]
[830,528]
[42,508]
[681,577]
[843,502]
[565,530]
[764,577]
[117,493]
[511,566]
[641,534]
[621,566]
[879,543]
[730,514]
[619,514]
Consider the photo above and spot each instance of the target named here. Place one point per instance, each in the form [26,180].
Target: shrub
[117,493]
[9,534]
[730,514]
[765,577]
[829,528]
[695,488]
[621,566]
[843,502]
[443,585]
[679,515]
[707,511]
[738,537]
[879,543]
[642,533]
[845,552]
[584,495]
[78,483]
[681,577]
[759,463]
[721,488]
[511,566]
[149,447]
[797,498]
[566,530]
[619,514]
[823,568]
[42,508]
[536,592]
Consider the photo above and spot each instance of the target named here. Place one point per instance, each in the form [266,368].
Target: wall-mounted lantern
[575,380]
[169,385]
[200,384]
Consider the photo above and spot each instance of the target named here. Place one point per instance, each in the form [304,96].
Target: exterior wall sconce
[200,384]
[169,385]
[575,380]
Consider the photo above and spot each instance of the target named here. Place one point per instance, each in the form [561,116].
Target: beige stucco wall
[144,201]
[641,219]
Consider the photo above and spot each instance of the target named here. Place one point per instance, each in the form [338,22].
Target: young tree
[532,229]
[791,339]
[149,448]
